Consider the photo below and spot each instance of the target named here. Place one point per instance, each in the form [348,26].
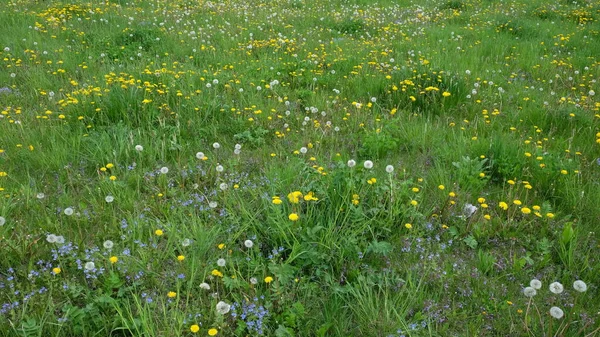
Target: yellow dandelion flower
[294,197]
[408,226]
[56,270]
[113,259]
[525,210]
[159,232]
[171,294]
[213,332]
[180,258]
[294,217]
[268,279]
[194,328]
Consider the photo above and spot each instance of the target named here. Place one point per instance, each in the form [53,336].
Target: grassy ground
[299,168]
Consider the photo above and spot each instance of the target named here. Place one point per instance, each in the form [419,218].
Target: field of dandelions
[299,168]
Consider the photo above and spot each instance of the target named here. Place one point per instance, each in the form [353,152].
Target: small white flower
[108,244]
[253,280]
[109,198]
[248,243]
[529,292]
[368,164]
[221,262]
[303,150]
[389,169]
[556,288]
[68,211]
[223,308]
[186,242]
[164,170]
[216,145]
[536,284]
[556,312]
[139,148]
[40,195]
[60,239]
[90,265]
[212,204]
[200,155]
[580,286]
[351,163]
[219,168]
[51,238]
[204,286]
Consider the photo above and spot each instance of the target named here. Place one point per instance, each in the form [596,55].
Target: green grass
[481,120]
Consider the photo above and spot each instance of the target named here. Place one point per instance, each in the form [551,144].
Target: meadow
[299,168]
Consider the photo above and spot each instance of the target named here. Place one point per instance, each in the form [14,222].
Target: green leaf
[380,247]
[470,241]
[568,234]
[282,331]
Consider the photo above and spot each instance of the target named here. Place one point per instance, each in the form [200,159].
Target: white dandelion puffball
[109,198]
[221,262]
[68,211]
[108,244]
[186,242]
[389,169]
[2,221]
[219,168]
[40,195]
[200,155]
[139,148]
[204,286]
[556,288]
[469,210]
[90,266]
[238,146]
[51,238]
[212,204]
[529,292]
[216,145]
[223,308]
[578,285]
[223,186]
[556,312]
[536,284]
[351,163]
[368,164]
[248,243]
[60,239]
[164,170]
[303,150]
[253,280]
